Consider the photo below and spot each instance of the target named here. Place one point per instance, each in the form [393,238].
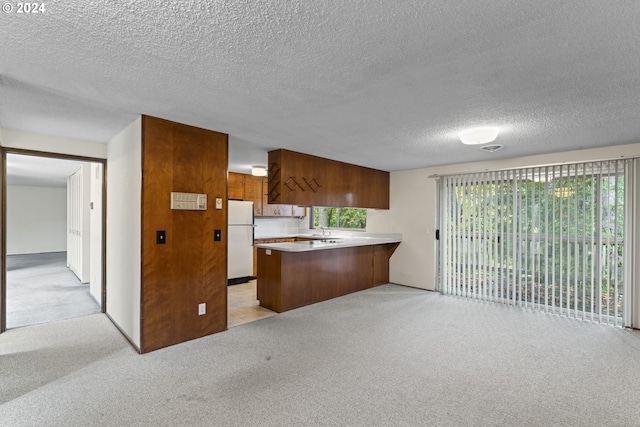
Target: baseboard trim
[124,334]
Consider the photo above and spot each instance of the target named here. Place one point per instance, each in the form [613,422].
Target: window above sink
[338,218]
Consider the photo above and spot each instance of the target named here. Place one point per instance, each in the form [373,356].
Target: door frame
[3,222]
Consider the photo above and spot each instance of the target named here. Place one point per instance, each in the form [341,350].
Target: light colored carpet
[40,288]
[388,356]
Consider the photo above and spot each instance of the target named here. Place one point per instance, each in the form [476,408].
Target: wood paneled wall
[190,268]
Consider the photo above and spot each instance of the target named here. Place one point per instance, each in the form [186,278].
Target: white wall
[277,227]
[51,144]
[86,222]
[95,219]
[413,208]
[124,197]
[36,219]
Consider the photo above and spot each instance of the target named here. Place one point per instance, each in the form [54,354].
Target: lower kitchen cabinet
[259,241]
[288,280]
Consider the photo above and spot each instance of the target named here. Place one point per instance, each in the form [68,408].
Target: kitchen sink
[315,242]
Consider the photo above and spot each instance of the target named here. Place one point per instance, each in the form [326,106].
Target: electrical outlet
[202,308]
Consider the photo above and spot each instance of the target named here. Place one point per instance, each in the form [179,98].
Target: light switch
[202,308]
[218,203]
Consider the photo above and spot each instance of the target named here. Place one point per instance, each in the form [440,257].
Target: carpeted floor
[388,356]
[40,288]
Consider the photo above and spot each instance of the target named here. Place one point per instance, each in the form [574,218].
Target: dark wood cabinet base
[288,280]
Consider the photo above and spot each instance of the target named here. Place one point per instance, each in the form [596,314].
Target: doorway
[53,240]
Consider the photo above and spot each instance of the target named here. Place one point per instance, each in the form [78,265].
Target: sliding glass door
[549,238]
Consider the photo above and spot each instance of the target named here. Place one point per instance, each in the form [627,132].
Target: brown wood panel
[190,268]
[255,262]
[380,265]
[269,278]
[296,281]
[305,180]
[236,186]
[381,256]
[357,274]
[308,279]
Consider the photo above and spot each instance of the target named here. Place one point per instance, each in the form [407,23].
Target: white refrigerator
[240,242]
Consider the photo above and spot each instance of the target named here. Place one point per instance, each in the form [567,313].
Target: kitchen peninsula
[314,269]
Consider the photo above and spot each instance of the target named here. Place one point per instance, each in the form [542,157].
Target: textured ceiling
[385,84]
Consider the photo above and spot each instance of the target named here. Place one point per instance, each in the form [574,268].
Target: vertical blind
[550,238]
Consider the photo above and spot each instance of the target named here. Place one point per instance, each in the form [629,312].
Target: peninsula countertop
[318,242]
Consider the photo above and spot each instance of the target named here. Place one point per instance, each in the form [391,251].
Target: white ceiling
[39,171]
[385,84]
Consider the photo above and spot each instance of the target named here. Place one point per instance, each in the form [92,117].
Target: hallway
[40,288]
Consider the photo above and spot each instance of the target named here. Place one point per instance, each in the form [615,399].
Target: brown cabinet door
[235,186]
[253,193]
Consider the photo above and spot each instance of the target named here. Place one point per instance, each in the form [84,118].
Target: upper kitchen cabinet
[253,193]
[236,186]
[254,189]
[270,209]
[305,180]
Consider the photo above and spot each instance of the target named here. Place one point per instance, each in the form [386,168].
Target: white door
[74,223]
[78,222]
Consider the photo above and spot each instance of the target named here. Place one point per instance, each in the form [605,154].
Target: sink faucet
[322,228]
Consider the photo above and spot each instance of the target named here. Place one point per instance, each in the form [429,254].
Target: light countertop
[332,242]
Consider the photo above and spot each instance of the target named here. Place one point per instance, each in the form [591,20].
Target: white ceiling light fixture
[481,135]
[258,171]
